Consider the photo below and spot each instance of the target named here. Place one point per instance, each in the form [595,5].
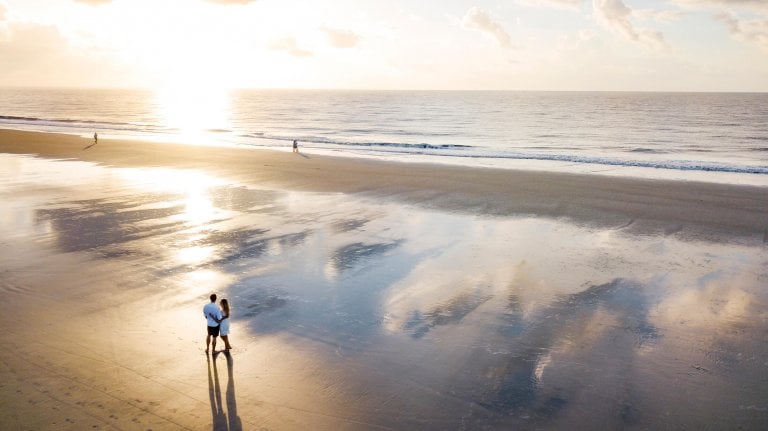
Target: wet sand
[371,295]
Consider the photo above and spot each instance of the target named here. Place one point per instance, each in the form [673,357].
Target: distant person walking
[212,313]
[95,138]
[224,325]
[295,146]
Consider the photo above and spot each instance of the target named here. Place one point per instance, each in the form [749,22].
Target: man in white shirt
[212,314]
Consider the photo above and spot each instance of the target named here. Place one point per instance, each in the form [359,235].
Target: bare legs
[226,342]
[208,341]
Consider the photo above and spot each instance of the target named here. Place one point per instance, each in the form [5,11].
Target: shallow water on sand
[401,317]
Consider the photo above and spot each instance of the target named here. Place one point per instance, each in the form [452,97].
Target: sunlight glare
[198,208]
[194,115]
[171,180]
[204,281]
[194,189]
[194,255]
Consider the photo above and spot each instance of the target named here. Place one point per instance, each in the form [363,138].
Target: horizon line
[477,90]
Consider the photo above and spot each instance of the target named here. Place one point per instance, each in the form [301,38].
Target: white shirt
[212,312]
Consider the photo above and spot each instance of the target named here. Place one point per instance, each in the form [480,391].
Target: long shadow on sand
[223,420]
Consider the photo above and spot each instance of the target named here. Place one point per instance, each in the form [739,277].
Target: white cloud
[614,15]
[94,2]
[558,4]
[754,5]
[574,42]
[665,16]
[288,44]
[481,20]
[231,1]
[748,31]
[341,38]
[31,51]
[224,2]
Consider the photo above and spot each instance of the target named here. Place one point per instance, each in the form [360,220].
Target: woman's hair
[225,306]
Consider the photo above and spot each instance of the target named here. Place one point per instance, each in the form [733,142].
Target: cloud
[479,19]
[341,38]
[614,16]
[224,2]
[30,53]
[749,31]
[558,4]
[94,2]
[228,2]
[30,48]
[755,5]
[665,16]
[289,45]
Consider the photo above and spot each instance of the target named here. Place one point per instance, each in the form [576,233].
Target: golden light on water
[198,208]
[194,255]
[192,114]
[203,281]
[194,191]
[171,180]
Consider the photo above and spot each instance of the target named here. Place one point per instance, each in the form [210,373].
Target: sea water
[720,137]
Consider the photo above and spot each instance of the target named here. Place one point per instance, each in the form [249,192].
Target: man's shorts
[213,330]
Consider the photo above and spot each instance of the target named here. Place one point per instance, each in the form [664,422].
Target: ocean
[719,137]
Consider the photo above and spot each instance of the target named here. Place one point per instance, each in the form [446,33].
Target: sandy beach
[371,295]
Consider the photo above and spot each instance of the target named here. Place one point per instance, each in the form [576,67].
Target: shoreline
[697,209]
[706,171]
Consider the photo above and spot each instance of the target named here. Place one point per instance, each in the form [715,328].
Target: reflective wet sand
[352,312]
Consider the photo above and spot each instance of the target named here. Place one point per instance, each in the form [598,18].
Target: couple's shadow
[223,420]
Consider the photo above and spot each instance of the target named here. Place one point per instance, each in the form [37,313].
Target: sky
[631,45]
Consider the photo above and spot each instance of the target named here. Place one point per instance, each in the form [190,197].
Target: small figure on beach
[295,146]
[224,325]
[212,313]
[95,138]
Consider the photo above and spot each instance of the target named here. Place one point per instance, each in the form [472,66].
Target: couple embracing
[218,323]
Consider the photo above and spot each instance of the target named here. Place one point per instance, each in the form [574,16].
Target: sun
[194,114]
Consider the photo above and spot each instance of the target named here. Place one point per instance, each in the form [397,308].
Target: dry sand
[371,295]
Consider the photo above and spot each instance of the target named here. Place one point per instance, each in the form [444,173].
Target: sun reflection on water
[194,115]
[198,208]
[193,194]
[194,189]
[202,282]
[194,255]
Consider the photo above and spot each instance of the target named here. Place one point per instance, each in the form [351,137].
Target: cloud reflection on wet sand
[409,318]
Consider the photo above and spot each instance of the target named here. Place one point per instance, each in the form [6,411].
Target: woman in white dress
[224,325]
